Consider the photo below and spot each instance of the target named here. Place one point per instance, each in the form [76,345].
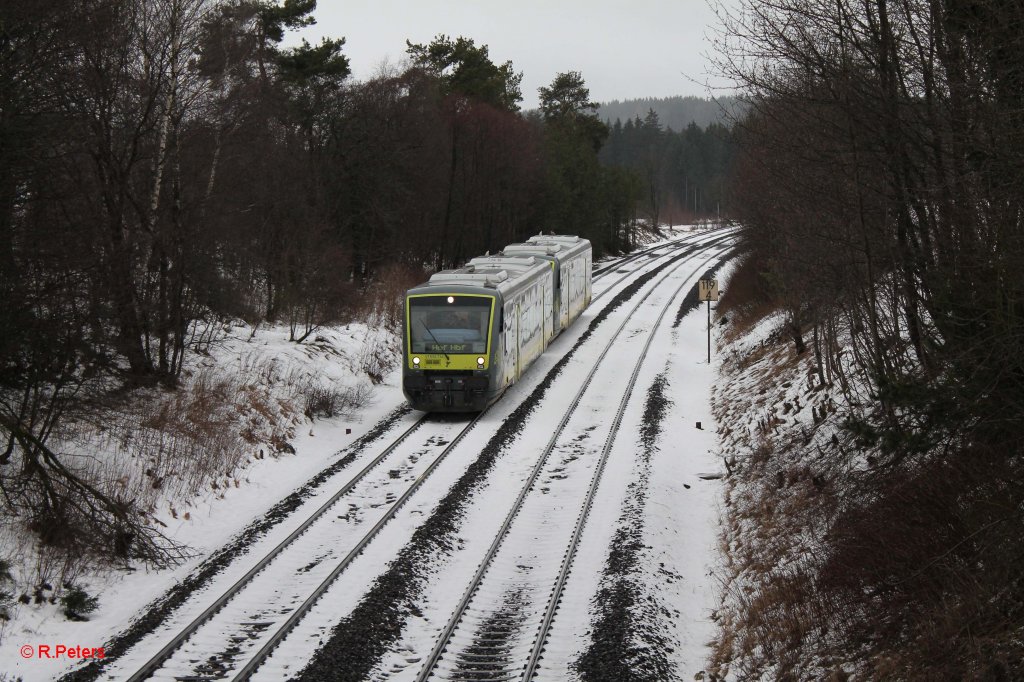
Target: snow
[680,517]
[215,516]
[770,400]
[678,522]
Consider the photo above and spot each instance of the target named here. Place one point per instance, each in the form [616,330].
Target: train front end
[449,349]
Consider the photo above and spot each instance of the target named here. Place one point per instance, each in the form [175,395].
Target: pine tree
[467,70]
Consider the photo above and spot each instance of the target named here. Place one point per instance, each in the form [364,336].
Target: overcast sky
[625,48]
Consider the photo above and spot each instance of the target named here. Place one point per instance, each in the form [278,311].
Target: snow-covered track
[613,266]
[249,668]
[712,238]
[494,642]
[221,638]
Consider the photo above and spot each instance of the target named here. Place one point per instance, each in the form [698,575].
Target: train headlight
[451,299]
[416,361]
[480,362]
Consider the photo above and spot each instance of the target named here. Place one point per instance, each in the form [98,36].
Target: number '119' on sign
[707,290]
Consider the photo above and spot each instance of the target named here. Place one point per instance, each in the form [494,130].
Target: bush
[378,357]
[326,402]
[320,401]
[78,603]
[746,299]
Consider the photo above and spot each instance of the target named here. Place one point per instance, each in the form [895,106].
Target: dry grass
[170,445]
[768,622]
[163,448]
[835,568]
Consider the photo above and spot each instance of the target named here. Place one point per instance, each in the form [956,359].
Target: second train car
[470,333]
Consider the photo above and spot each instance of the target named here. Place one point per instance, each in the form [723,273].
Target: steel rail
[718,239]
[297,615]
[442,642]
[260,657]
[155,662]
[605,268]
[530,670]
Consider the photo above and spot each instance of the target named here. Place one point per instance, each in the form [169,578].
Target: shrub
[78,603]
[746,298]
[326,402]
[378,357]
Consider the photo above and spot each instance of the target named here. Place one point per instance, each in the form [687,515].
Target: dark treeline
[682,176]
[165,162]
[676,112]
[882,169]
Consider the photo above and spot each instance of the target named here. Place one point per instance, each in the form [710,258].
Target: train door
[588,276]
[546,293]
[563,295]
[510,336]
[517,346]
[579,287]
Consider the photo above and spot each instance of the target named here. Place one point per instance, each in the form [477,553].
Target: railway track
[259,608]
[493,643]
[616,265]
[234,633]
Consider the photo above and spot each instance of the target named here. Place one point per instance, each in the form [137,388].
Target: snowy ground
[778,426]
[206,521]
[677,520]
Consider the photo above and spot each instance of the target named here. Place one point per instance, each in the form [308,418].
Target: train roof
[569,244]
[500,273]
[556,239]
[516,263]
[470,276]
[531,249]
[548,250]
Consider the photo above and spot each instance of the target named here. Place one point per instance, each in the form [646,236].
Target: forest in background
[679,150]
[882,168]
[683,176]
[166,164]
[676,112]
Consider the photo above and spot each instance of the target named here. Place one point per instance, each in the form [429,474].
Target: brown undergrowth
[837,564]
[156,450]
[778,503]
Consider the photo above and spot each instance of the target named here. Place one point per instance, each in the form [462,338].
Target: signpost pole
[709,331]
[707,290]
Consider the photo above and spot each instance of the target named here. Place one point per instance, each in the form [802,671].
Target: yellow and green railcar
[470,333]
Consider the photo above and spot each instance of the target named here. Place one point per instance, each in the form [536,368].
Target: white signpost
[707,290]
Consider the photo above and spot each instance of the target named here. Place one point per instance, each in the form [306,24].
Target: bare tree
[881,172]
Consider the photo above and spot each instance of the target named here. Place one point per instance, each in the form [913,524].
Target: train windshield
[449,323]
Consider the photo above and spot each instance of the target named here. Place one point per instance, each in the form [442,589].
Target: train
[471,332]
